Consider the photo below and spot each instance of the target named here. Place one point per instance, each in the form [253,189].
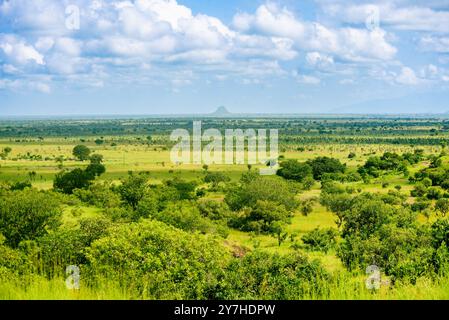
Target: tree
[442,205]
[322,165]
[277,229]
[294,170]
[81,152]
[308,183]
[95,170]
[320,239]
[100,195]
[338,203]
[133,189]
[260,188]
[264,217]
[6,151]
[68,181]
[27,215]
[96,158]
[184,189]
[276,276]
[20,185]
[215,178]
[307,206]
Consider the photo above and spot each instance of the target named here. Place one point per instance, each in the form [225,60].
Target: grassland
[125,152]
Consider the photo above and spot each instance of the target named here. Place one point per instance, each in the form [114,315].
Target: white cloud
[44,44]
[271,19]
[434,43]
[316,59]
[121,36]
[19,51]
[10,69]
[306,79]
[68,46]
[348,43]
[117,38]
[399,16]
[407,77]
[429,72]
[38,85]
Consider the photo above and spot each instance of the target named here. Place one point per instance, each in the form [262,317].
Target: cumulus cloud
[122,36]
[348,43]
[145,40]
[316,59]
[18,51]
[407,77]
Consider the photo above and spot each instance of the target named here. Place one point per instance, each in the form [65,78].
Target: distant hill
[221,112]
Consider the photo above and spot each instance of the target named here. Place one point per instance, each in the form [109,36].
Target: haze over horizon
[157,57]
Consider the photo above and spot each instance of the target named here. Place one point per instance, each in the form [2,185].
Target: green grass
[343,286]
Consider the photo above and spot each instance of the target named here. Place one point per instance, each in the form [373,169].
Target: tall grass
[343,286]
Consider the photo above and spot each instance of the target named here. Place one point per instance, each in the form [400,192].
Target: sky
[80,57]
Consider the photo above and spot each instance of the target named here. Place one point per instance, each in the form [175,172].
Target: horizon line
[214,115]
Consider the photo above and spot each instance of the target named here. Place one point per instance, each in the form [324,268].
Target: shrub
[27,215]
[98,194]
[294,170]
[264,189]
[143,256]
[261,275]
[322,165]
[261,218]
[320,239]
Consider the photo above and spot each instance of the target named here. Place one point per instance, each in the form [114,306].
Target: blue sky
[191,56]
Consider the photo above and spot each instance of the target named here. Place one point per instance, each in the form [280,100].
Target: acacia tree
[81,152]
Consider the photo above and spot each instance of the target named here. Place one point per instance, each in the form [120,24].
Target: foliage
[261,275]
[322,165]
[263,217]
[100,195]
[27,215]
[133,189]
[320,239]
[263,189]
[294,170]
[215,178]
[145,255]
[81,152]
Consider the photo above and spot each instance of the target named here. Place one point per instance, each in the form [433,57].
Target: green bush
[260,275]
[157,261]
[27,215]
[320,239]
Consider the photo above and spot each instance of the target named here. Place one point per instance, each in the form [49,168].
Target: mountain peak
[221,111]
